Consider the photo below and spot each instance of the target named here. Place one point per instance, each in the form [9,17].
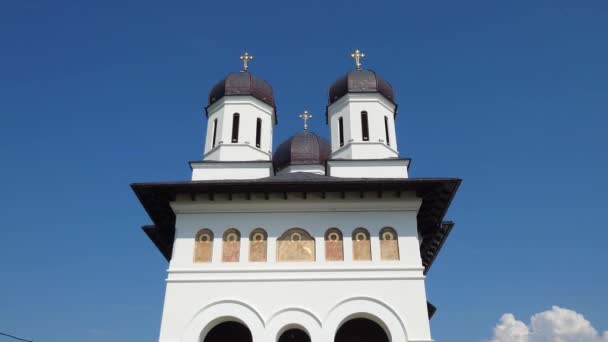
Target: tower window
[235,127]
[258,133]
[364,126]
[341,129]
[214,133]
[388,141]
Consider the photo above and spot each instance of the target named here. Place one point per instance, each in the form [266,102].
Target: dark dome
[242,83]
[302,148]
[360,81]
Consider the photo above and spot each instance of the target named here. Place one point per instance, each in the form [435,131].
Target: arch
[369,308]
[364,126]
[286,319]
[228,331]
[258,245]
[362,249]
[294,335]
[361,330]
[341,130]
[235,127]
[223,311]
[389,244]
[203,245]
[258,133]
[296,244]
[231,245]
[214,133]
[334,245]
[388,139]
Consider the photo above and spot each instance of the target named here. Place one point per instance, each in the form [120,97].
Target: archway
[229,331]
[361,330]
[294,335]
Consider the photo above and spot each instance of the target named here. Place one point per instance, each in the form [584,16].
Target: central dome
[242,83]
[303,148]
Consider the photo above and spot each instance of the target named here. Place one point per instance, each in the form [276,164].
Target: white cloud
[555,325]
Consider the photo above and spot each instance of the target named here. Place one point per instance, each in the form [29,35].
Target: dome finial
[357,55]
[246,58]
[305,116]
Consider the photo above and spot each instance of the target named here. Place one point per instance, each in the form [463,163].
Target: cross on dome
[305,116]
[357,55]
[246,57]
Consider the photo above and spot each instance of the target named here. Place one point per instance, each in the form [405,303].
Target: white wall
[317,295]
[383,168]
[233,170]
[349,107]
[250,109]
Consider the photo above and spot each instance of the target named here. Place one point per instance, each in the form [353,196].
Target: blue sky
[511,96]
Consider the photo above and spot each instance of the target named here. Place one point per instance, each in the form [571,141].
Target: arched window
[294,335]
[388,140]
[361,245]
[235,127]
[228,331]
[231,245]
[296,245]
[258,133]
[334,250]
[258,245]
[203,245]
[214,133]
[389,244]
[361,330]
[364,126]
[341,130]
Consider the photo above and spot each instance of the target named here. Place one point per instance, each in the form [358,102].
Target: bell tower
[361,114]
[240,119]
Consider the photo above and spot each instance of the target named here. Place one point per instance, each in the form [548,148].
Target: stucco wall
[318,296]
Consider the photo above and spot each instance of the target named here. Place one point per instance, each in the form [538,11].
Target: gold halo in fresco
[361,236]
[295,236]
[388,236]
[232,237]
[333,236]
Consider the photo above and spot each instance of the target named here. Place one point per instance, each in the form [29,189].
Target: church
[319,241]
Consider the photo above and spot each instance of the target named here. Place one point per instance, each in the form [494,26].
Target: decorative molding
[313,205]
[240,100]
[372,268]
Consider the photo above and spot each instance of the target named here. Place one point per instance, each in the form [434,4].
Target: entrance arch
[229,331]
[294,335]
[361,330]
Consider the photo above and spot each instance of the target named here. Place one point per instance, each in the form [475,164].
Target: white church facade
[319,241]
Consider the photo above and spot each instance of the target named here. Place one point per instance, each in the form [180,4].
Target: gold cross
[246,58]
[305,116]
[357,55]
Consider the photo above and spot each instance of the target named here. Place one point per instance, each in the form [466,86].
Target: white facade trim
[365,98]
[223,311]
[310,168]
[244,99]
[230,170]
[246,144]
[361,205]
[319,329]
[301,269]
